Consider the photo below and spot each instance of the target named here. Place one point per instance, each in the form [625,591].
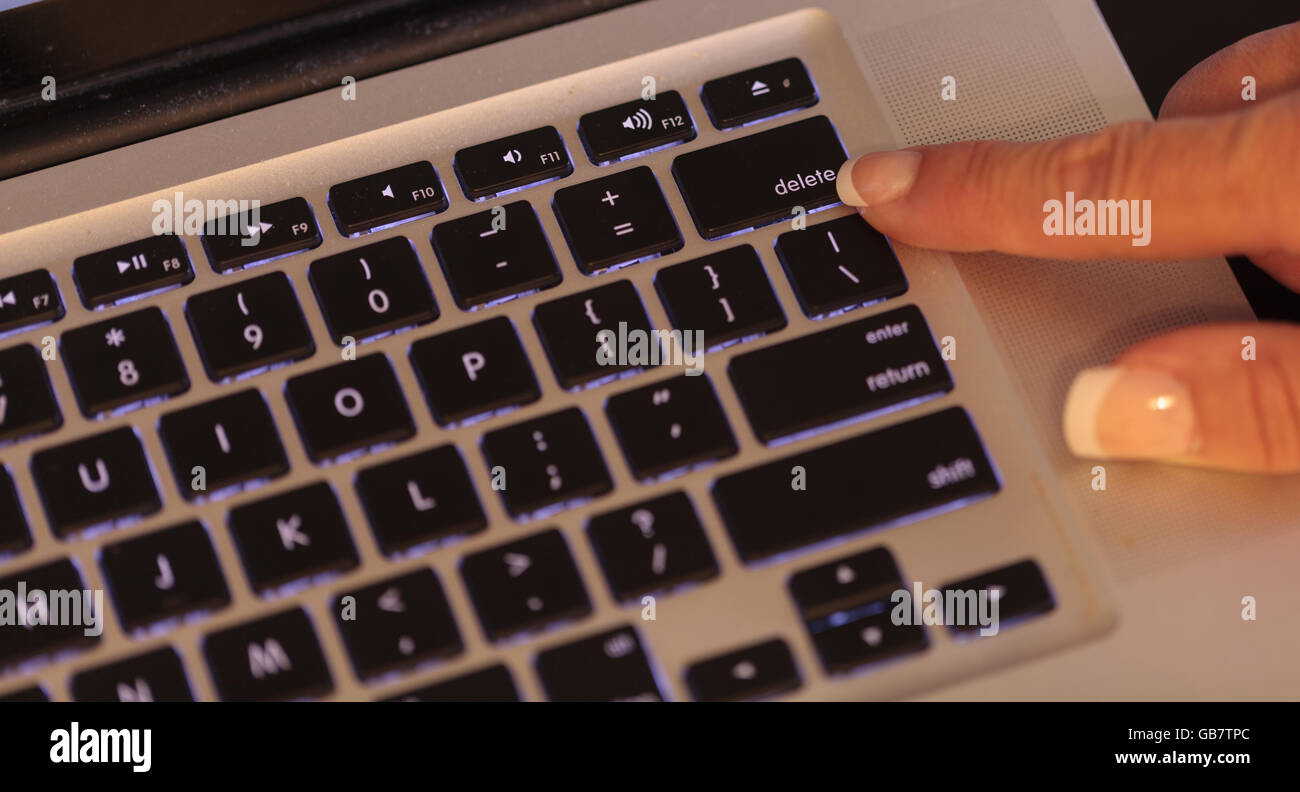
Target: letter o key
[349,403]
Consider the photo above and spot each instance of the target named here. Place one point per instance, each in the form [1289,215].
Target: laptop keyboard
[524,583]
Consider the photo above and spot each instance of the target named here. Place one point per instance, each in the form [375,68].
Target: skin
[1223,178]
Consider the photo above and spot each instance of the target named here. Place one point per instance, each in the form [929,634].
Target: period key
[386,198]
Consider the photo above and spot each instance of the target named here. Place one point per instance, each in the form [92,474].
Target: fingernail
[876,178]
[1129,413]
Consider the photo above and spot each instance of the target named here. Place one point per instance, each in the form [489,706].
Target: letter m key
[267,658]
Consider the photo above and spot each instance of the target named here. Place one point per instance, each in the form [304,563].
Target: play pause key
[148,265]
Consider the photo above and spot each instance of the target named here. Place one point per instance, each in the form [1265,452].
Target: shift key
[851,370]
[760,179]
[919,466]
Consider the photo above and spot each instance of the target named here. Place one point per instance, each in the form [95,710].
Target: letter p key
[474,363]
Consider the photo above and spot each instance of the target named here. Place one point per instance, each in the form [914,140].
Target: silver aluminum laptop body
[1147,575]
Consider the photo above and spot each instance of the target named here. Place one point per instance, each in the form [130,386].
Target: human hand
[1222,176]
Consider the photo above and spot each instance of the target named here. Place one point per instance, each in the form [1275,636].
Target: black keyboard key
[397,623]
[670,426]
[652,546]
[42,625]
[372,290]
[868,639]
[349,406]
[843,263]
[274,658]
[512,163]
[525,585]
[14,532]
[474,371]
[295,535]
[547,463]
[636,127]
[493,683]
[29,299]
[844,585]
[274,231]
[612,666]
[582,338]
[420,498]
[123,361]
[152,676]
[495,255]
[387,198]
[847,371]
[167,574]
[765,669]
[725,295]
[223,443]
[1020,591]
[615,220]
[28,695]
[926,463]
[142,267]
[757,180]
[761,92]
[27,403]
[96,480]
[248,326]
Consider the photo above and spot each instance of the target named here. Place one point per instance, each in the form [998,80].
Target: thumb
[1224,396]
[1206,185]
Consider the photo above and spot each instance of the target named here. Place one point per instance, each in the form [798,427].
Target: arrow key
[142,267]
[755,671]
[397,623]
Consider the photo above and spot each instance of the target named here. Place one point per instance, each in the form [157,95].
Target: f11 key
[513,162]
